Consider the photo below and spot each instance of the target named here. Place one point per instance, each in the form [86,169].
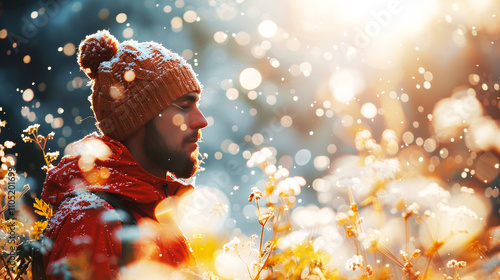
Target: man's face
[171,137]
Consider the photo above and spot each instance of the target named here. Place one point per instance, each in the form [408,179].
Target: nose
[197,120]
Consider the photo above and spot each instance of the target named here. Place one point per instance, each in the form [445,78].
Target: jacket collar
[101,164]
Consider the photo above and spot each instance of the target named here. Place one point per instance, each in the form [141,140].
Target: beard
[180,164]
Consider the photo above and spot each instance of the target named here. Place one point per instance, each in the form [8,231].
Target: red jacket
[85,229]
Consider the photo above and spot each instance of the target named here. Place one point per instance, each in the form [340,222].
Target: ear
[135,141]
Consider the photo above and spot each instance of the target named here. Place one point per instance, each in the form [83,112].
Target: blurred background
[301,77]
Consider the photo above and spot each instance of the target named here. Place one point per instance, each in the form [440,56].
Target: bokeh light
[268,28]
[69,49]
[121,17]
[250,78]
[346,84]
[388,111]
[368,110]
[28,95]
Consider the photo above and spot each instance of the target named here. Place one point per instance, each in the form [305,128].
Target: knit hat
[132,82]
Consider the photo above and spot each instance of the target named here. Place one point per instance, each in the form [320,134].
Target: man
[145,100]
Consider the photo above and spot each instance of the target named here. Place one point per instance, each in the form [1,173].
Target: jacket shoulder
[76,208]
[84,227]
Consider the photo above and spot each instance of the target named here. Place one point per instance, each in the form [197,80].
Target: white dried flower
[386,169]
[372,239]
[259,157]
[281,174]
[347,181]
[232,247]
[467,190]
[461,213]
[434,191]
[455,263]
[354,262]
[290,186]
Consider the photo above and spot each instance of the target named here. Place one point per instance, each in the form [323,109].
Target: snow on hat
[132,82]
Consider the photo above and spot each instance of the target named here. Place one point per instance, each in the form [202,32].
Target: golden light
[230,266]
[3,33]
[89,150]
[129,76]
[463,222]
[483,134]
[165,211]
[450,115]
[27,59]
[206,210]
[346,84]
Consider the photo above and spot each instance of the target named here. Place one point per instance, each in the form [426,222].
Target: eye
[182,107]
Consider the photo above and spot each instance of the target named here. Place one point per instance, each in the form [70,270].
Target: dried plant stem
[6,206]
[246,264]
[275,230]
[407,236]
[261,237]
[7,268]
[434,250]
[267,258]
[427,267]
[19,275]
[393,258]
[455,274]
[261,242]
[357,225]
[388,254]
[35,134]
[263,226]
[258,208]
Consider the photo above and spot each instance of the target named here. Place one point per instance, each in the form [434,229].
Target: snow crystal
[74,204]
[142,51]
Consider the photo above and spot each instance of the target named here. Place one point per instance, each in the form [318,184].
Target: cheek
[179,121]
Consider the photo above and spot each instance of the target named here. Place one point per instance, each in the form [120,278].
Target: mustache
[193,137]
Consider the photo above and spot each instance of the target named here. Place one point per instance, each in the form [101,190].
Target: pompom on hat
[132,82]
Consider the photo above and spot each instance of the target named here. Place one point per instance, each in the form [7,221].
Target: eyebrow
[188,97]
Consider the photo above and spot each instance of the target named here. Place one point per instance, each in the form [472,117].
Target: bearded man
[105,193]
